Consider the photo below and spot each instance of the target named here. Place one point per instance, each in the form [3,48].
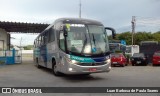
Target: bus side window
[40,41]
[51,35]
[45,37]
[61,41]
[35,43]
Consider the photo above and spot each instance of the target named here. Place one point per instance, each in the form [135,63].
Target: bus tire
[54,70]
[37,63]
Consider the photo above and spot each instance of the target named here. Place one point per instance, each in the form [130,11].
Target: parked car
[156,58]
[139,59]
[118,59]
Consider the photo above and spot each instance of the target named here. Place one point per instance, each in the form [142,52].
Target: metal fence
[10,57]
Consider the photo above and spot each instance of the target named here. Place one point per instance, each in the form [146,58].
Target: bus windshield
[87,40]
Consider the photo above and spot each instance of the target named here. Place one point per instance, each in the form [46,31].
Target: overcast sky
[113,13]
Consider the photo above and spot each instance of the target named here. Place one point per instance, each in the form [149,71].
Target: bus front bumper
[77,69]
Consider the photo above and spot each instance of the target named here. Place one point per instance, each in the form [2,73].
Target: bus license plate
[92,69]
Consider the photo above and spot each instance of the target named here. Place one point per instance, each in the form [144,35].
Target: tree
[127,36]
[156,36]
[28,47]
[138,37]
[143,36]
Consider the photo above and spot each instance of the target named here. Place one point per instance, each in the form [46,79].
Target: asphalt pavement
[28,75]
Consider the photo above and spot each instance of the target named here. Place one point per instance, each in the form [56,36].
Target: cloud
[110,12]
[113,13]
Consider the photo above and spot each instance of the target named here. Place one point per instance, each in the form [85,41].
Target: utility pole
[80,5]
[133,29]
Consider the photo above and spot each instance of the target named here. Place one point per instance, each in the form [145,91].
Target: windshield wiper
[85,42]
[94,39]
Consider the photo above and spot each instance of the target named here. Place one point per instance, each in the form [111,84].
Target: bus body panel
[69,68]
[52,53]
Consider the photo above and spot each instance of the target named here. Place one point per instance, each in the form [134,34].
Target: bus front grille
[92,64]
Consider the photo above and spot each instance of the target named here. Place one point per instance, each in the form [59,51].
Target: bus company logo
[77,58]
[6,90]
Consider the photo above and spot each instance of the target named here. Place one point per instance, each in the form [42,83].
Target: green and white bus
[73,46]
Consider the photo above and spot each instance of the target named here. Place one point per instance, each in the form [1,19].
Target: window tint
[61,42]
[45,38]
[39,40]
[51,35]
[35,43]
[42,39]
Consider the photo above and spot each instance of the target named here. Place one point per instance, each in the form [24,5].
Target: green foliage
[138,37]
[125,36]
[127,56]
[143,36]
[118,51]
[156,36]
[28,47]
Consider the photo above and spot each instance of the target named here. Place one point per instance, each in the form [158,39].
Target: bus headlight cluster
[72,61]
[108,60]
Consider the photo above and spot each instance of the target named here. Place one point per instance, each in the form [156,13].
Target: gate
[10,57]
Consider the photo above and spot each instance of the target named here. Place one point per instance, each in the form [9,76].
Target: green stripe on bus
[81,59]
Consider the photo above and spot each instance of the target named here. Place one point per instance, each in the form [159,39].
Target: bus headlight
[72,61]
[108,60]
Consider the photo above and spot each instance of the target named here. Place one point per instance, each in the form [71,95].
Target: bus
[73,46]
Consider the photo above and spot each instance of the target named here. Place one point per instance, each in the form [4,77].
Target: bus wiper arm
[85,41]
[94,39]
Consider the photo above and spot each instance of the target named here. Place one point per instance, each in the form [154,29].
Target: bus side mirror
[113,31]
[65,31]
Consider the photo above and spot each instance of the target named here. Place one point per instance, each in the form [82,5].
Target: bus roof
[74,21]
[79,21]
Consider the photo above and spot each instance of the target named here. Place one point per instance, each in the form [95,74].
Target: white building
[3,39]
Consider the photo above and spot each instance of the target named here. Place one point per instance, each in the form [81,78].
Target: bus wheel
[54,69]
[37,63]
